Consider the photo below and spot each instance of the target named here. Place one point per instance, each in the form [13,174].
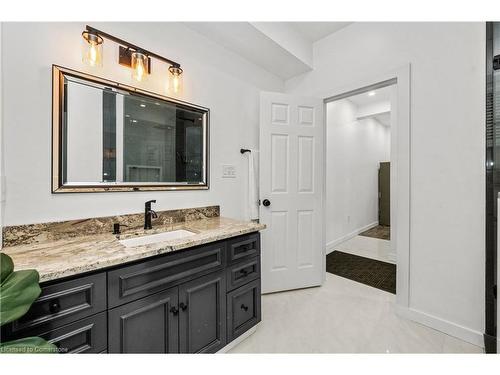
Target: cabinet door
[149,325]
[243,309]
[202,314]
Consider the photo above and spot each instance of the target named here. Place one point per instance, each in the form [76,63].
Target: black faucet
[148,214]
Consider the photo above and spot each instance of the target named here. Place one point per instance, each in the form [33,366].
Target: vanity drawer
[242,272]
[85,336]
[243,247]
[127,284]
[243,309]
[63,302]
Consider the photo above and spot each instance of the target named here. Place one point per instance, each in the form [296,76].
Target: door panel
[306,165]
[291,178]
[279,162]
[202,305]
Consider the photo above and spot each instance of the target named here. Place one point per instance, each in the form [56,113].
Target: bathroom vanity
[194,294]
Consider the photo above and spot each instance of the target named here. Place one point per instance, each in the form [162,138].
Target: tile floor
[342,316]
[367,247]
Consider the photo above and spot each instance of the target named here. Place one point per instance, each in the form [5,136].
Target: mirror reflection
[115,137]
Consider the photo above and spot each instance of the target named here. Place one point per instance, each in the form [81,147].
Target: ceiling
[315,31]
[282,48]
[376,106]
[381,95]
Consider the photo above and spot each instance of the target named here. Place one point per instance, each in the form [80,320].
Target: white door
[291,191]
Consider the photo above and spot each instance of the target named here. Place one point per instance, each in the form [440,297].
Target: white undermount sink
[160,237]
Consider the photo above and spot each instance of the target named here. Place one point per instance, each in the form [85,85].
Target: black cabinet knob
[174,310]
[266,202]
[244,307]
[244,272]
[183,306]
[54,307]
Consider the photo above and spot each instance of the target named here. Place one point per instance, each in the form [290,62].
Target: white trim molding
[400,167]
[442,325]
[330,246]
[239,339]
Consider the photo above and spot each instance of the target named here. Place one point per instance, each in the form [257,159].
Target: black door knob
[174,310]
[266,202]
[183,306]
[244,307]
[54,307]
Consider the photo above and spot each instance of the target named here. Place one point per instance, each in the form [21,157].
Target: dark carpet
[380,231]
[380,275]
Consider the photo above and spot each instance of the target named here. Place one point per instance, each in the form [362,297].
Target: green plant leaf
[6,266]
[28,345]
[17,292]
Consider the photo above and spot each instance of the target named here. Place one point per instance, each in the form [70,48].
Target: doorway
[358,186]
[292,172]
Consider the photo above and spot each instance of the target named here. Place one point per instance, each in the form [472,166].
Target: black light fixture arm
[122,42]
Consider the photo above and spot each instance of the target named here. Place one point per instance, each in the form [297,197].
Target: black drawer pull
[174,310]
[245,248]
[54,307]
[244,272]
[244,307]
[183,306]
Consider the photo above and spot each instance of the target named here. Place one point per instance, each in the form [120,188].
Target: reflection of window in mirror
[113,137]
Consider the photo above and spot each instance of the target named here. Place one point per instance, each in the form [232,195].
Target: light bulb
[139,66]
[92,49]
[175,82]
[92,54]
[175,79]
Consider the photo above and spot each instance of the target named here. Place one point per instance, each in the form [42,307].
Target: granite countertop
[55,259]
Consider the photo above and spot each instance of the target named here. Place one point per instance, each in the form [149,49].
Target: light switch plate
[228,171]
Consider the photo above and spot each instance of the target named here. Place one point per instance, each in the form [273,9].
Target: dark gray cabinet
[84,336]
[63,302]
[195,300]
[202,321]
[149,325]
[126,284]
[243,309]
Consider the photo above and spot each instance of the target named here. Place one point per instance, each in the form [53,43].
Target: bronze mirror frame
[58,97]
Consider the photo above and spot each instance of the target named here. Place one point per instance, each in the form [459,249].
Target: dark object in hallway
[384,193]
[380,275]
[380,231]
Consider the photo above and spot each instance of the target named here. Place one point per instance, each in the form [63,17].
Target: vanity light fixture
[129,55]
[92,48]
[139,64]
[175,78]
[371,93]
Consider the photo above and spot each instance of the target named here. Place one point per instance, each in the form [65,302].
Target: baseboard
[330,246]
[392,257]
[237,340]
[445,326]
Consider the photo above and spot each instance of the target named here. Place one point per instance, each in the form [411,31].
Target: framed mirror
[107,136]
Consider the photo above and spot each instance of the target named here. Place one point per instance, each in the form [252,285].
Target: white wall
[213,77]
[287,37]
[354,150]
[447,220]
